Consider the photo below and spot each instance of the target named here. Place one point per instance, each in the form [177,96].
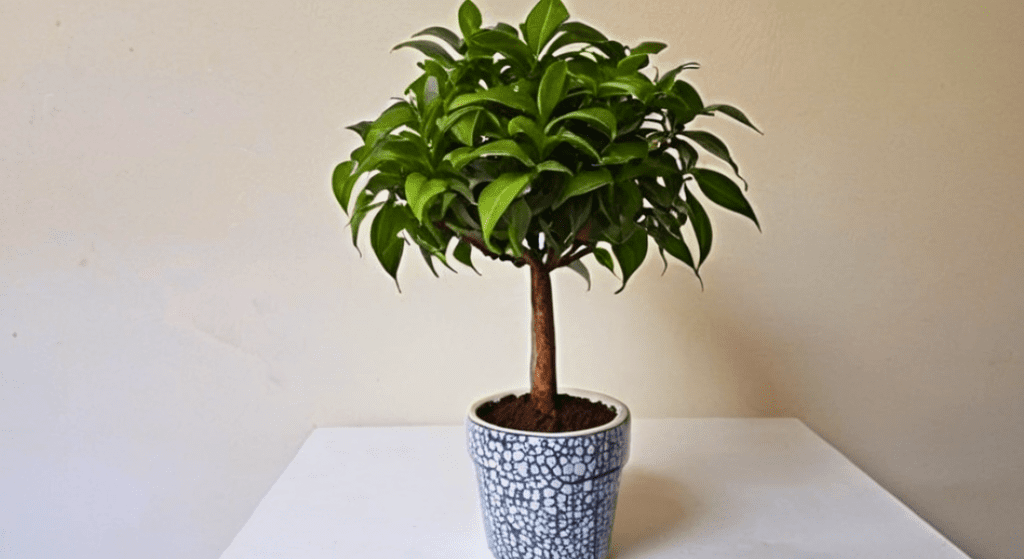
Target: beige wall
[180,306]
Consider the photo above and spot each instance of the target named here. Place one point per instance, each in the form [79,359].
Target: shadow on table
[650,508]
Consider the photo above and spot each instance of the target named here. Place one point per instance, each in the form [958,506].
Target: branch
[582,241]
[573,255]
[549,261]
[479,243]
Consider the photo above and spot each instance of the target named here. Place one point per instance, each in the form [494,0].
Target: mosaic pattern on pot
[548,497]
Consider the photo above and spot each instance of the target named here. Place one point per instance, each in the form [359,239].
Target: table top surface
[695,488]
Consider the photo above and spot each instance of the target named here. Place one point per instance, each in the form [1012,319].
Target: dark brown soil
[571,414]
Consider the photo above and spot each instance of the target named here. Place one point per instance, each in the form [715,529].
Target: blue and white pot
[549,495]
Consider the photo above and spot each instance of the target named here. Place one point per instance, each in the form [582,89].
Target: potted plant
[541,146]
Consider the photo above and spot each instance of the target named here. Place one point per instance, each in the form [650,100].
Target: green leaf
[451,119]
[648,47]
[586,71]
[464,215]
[508,45]
[676,246]
[605,259]
[629,199]
[687,155]
[617,154]
[550,239]
[464,129]
[396,115]
[360,128]
[504,95]
[544,192]
[496,198]
[341,184]
[504,148]
[459,157]
[582,183]
[583,31]
[552,85]
[721,190]
[429,48]
[554,166]
[630,255]
[430,261]
[666,81]
[543,21]
[402,152]
[464,253]
[470,19]
[597,116]
[632,63]
[519,215]
[359,213]
[419,191]
[384,238]
[428,86]
[447,198]
[416,140]
[627,85]
[734,113]
[664,165]
[679,112]
[659,196]
[383,181]
[700,223]
[527,126]
[575,141]
[614,50]
[689,95]
[714,146]
[431,92]
[506,29]
[444,34]
[578,267]
[661,252]
[459,186]
[491,125]
[580,212]
[573,32]
[432,243]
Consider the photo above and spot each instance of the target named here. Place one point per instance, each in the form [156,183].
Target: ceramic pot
[549,495]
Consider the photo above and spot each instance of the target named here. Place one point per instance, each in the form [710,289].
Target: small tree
[538,147]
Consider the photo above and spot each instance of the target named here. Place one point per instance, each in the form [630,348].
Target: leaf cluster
[539,145]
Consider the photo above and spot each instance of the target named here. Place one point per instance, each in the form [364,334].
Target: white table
[693,488]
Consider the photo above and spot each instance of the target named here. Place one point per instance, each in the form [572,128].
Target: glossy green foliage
[539,146]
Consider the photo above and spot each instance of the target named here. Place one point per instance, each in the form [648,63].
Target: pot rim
[621,413]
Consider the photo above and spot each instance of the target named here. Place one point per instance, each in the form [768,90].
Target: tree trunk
[542,379]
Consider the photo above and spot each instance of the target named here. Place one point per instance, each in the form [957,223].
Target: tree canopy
[540,145]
